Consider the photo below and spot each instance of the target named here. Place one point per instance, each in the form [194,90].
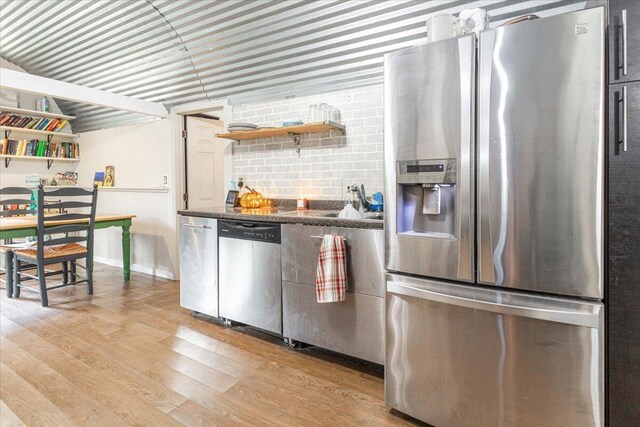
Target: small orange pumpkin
[252,200]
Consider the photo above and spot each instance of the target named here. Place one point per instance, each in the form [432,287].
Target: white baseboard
[159,272]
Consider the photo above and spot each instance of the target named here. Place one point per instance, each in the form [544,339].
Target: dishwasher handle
[251,225]
[197,226]
[516,305]
[246,230]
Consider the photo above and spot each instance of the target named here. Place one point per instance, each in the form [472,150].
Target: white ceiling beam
[24,82]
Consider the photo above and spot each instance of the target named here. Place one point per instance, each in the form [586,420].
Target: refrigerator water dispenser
[431,198]
[426,197]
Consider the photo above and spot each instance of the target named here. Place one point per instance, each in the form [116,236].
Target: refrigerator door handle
[625,137]
[571,317]
[486,272]
[624,43]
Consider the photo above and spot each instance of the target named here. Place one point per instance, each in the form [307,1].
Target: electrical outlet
[165,180]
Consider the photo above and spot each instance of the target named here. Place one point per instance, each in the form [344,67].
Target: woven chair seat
[12,247]
[54,251]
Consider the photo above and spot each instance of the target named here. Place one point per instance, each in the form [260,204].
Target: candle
[302,204]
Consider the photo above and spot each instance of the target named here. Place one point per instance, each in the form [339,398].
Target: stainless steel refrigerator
[494,156]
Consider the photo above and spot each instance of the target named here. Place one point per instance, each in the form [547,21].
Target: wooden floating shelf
[243,135]
[8,157]
[40,132]
[35,113]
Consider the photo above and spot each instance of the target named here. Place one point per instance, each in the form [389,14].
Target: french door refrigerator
[494,156]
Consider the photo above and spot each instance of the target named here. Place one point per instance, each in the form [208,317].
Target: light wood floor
[129,355]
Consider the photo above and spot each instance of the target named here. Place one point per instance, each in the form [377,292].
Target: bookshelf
[13,115]
[8,158]
[37,132]
[35,113]
[24,113]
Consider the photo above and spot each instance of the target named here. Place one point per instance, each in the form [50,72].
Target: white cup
[441,26]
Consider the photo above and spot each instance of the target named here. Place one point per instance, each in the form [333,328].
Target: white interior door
[205,163]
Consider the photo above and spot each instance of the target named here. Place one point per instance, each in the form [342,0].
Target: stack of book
[33,123]
[38,148]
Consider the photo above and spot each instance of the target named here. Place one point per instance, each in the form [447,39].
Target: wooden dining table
[25,226]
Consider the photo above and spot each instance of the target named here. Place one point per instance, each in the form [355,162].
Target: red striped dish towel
[331,276]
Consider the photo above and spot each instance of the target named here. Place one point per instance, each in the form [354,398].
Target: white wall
[141,154]
[328,161]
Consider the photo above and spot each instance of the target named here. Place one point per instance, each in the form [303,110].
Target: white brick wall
[328,162]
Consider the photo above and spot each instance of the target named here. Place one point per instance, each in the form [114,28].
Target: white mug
[441,26]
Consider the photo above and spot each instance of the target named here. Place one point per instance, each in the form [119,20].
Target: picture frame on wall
[109,176]
[98,179]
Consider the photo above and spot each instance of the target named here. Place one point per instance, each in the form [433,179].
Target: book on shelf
[40,148]
[53,125]
[33,123]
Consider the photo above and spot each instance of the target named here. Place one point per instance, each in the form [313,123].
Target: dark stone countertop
[285,215]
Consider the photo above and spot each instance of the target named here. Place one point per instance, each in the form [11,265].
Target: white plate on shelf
[243,125]
[239,128]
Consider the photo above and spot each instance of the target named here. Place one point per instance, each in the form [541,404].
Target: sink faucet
[362,196]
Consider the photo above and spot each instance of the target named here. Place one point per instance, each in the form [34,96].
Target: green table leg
[126,252]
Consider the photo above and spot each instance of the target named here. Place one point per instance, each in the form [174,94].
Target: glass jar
[313,114]
[334,115]
[323,112]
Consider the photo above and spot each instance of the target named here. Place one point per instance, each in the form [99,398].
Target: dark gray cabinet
[623,296]
[624,17]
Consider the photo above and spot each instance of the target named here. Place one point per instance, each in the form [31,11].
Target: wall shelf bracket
[49,163]
[7,161]
[6,134]
[295,138]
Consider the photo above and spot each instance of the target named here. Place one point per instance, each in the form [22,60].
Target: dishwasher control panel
[249,230]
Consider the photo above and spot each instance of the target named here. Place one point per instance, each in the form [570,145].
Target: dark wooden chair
[64,250]
[13,206]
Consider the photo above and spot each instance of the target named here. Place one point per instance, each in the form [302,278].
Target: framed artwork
[232,198]
[109,176]
[98,179]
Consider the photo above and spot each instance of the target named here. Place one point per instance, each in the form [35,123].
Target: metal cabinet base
[354,327]
[365,256]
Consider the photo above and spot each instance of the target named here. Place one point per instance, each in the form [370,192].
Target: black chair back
[54,224]
[14,205]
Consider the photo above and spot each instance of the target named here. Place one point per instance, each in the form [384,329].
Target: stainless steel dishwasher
[199,265]
[250,274]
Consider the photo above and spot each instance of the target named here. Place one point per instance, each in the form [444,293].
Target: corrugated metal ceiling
[181,51]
